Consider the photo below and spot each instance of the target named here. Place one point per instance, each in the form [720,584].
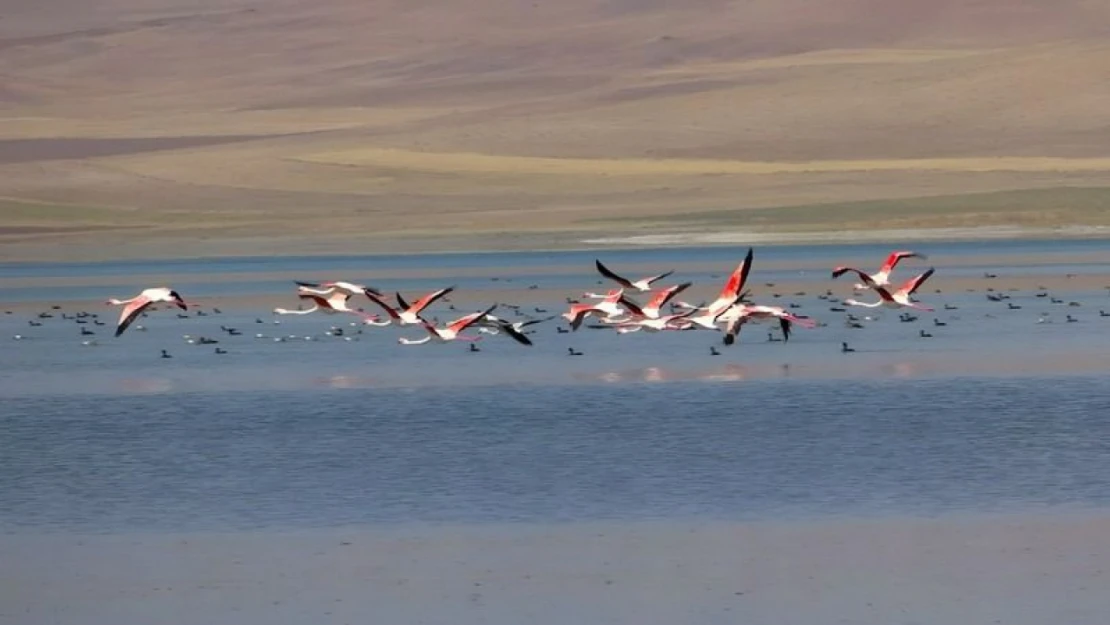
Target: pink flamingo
[739,314]
[730,293]
[134,307]
[882,276]
[451,331]
[409,315]
[897,299]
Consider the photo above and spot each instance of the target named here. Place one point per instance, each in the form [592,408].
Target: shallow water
[764,450]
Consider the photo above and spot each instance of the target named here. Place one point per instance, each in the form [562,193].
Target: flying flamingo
[731,293]
[898,299]
[323,288]
[614,306]
[660,298]
[654,324]
[643,284]
[133,307]
[882,276]
[408,315]
[334,303]
[494,325]
[451,331]
[739,314]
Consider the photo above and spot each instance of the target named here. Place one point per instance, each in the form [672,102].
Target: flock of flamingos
[660,310]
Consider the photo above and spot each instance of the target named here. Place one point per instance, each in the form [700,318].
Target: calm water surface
[770,449]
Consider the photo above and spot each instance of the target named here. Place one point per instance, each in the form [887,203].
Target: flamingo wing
[131,312]
[739,277]
[316,299]
[657,278]
[605,271]
[893,259]
[863,276]
[389,310]
[513,333]
[465,322]
[914,283]
[632,306]
[661,298]
[427,300]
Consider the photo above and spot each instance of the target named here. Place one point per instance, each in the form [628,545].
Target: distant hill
[241,117]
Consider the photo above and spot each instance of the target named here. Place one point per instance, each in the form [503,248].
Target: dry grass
[241,118]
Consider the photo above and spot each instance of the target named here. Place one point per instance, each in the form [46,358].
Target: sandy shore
[1020,570]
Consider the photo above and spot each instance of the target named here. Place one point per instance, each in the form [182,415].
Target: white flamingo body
[134,307]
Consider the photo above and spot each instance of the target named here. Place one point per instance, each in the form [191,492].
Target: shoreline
[160,248]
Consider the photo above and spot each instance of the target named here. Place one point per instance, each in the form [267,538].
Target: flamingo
[324,288]
[654,324]
[334,303]
[409,315]
[133,307]
[494,325]
[643,284]
[882,276]
[614,306]
[660,298]
[739,314]
[450,332]
[898,299]
[731,293]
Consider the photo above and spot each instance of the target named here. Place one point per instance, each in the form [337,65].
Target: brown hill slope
[246,117]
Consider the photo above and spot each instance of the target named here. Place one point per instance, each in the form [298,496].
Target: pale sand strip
[1012,265]
[1016,569]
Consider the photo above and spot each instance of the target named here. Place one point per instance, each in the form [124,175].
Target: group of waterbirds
[617,309]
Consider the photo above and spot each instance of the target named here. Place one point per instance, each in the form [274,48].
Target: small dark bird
[845,349]
[573,352]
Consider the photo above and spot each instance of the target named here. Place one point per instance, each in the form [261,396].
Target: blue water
[776,449]
[995,411]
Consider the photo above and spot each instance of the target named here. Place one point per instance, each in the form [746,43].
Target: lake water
[993,411]
[541,453]
[320,472]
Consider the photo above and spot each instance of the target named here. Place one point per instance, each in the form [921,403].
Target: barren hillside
[233,118]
